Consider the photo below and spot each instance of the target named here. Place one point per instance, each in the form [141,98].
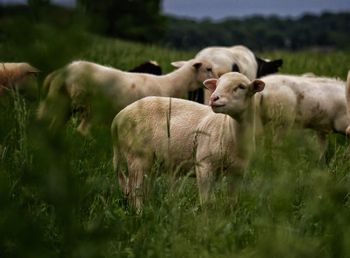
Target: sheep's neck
[244,130]
[177,83]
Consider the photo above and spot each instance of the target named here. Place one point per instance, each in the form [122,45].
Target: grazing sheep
[102,91]
[234,59]
[186,134]
[312,102]
[151,67]
[15,75]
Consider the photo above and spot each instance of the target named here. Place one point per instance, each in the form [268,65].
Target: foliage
[135,20]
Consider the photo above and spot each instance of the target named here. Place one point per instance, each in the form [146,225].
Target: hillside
[59,195]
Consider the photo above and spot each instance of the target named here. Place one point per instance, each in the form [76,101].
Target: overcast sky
[218,9]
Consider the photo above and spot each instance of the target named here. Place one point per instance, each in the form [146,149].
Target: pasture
[59,196]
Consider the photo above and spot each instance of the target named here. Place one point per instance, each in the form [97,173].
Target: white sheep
[88,86]
[235,59]
[185,134]
[306,101]
[242,60]
[15,75]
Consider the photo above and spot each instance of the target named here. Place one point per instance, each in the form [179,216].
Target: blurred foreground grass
[59,196]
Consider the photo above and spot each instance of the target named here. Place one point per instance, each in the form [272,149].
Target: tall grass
[59,196]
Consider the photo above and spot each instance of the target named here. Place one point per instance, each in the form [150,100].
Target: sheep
[187,134]
[235,59]
[307,101]
[15,75]
[87,86]
[151,67]
[238,59]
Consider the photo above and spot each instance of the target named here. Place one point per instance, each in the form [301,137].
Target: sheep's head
[17,75]
[202,71]
[232,93]
[266,67]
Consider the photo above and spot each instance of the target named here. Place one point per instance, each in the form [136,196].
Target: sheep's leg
[323,142]
[204,174]
[137,167]
[342,124]
[123,183]
[55,110]
[281,132]
[122,177]
[234,178]
[85,121]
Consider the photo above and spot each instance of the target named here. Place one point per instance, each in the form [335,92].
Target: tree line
[326,31]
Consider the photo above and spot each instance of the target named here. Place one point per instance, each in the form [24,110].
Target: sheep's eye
[209,69]
[241,87]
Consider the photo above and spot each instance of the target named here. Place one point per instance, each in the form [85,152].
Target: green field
[59,196]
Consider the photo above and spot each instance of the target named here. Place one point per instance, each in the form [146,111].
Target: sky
[219,9]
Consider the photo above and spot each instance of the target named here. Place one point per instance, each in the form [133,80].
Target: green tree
[132,19]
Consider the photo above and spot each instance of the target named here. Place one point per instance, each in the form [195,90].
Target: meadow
[59,196]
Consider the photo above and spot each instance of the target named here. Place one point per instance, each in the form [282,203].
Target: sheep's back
[313,101]
[118,87]
[160,126]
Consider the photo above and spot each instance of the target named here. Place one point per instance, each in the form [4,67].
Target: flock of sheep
[150,118]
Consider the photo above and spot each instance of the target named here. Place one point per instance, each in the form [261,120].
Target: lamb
[101,92]
[235,59]
[15,75]
[312,102]
[186,134]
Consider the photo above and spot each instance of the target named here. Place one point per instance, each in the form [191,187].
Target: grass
[59,195]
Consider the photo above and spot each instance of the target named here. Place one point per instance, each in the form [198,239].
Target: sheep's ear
[257,85]
[32,69]
[266,67]
[178,64]
[197,65]
[210,84]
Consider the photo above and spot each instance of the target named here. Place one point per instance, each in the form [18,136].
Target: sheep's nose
[213,98]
